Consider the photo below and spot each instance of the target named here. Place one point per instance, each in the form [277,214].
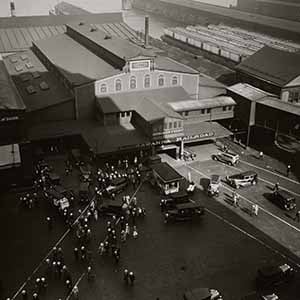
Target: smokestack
[146,31]
[12,8]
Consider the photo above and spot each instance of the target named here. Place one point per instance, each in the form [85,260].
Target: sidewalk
[251,155]
[286,235]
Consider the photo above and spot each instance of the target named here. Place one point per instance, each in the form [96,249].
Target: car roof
[285,194]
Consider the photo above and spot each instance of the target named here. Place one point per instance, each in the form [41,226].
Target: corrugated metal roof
[190,105]
[272,65]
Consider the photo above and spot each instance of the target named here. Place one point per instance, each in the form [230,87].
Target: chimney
[146,31]
[12,8]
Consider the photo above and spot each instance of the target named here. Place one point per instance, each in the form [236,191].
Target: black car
[173,200]
[184,212]
[242,179]
[284,200]
[112,207]
[271,276]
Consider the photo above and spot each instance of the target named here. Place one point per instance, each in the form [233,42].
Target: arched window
[161,80]
[132,82]
[174,80]
[103,88]
[147,81]
[118,85]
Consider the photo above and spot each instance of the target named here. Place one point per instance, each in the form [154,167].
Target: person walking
[297,217]
[288,170]
[24,295]
[131,277]
[135,232]
[76,253]
[76,292]
[261,155]
[126,276]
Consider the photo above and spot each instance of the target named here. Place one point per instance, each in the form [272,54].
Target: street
[221,250]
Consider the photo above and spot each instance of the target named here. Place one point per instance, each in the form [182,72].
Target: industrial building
[230,43]
[113,94]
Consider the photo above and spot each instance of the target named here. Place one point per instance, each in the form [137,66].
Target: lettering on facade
[196,136]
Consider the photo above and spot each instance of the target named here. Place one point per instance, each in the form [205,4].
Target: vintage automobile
[271,276]
[116,186]
[184,212]
[213,188]
[258,296]
[188,154]
[283,199]
[174,199]
[242,179]
[83,192]
[112,207]
[202,294]
[227,157]
[57,199]
[85,173]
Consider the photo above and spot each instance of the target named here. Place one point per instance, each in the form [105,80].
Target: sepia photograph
[150,150]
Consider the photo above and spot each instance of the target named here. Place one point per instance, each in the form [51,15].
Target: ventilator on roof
[30,89]
[44,86]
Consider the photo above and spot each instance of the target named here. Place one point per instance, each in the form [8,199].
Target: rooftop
[76,63]
[168,64]
[9,96]
[150,104]
[166,172]
[273,65]
[36,85]
[281,105]
[248,91]
[121,48]
[190,105]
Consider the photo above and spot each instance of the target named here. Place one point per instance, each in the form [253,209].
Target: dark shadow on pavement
[204,182]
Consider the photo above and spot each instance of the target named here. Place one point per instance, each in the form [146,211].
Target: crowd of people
[118,227]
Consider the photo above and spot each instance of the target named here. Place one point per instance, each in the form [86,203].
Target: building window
[118,85]
[186,113]
[170,125]
[166,126]
[132,82]
[103,88]
[175,80]
[229,107]
[175,124]
[208,110]
[202,111]
[161,80]
[224,108]
[147,81]
[128,114]
[179,124]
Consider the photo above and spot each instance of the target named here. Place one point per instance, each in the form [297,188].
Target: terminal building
[113,93]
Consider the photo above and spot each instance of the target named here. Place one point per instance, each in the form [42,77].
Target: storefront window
[174,80]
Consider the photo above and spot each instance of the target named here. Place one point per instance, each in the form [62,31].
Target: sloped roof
[150,104]
[272,65]
[78,64]
[166,172]
[9,96]
[201,104]
[169,64]
[124,49]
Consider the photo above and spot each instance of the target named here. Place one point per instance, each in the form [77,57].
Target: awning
[204,131]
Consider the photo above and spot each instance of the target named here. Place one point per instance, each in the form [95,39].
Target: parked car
[116,186]
[213,188]
[258,296]
[242,179]
[188,154]
[227,158]
[202,294]
[184,212]
[271,276]
[283,199]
